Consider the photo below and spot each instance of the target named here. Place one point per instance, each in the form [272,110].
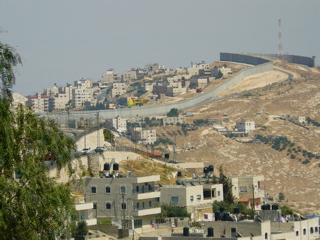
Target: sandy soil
[256,81]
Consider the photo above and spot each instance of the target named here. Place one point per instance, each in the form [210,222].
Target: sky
[63,41]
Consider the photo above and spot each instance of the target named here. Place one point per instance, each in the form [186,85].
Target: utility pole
[98,131]
[254,206]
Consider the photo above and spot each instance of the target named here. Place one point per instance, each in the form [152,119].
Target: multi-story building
[39,103]
[81,95]
[247,190]
[110,76]
[143,136]
[196,197]
[194,70]
[245,126]
[119,89]
[172,120]
[120,124]
[131,198]
[199,82]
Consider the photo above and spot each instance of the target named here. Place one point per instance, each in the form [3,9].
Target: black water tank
[210,231]
[222,209]
[211,168]
[166,155]
[179,174]
[263,207]
[205,170]
[226,217]
[217,216]
[267,206]
[106,167]
[275,206]
[236,210]
[115,167]
[186,232]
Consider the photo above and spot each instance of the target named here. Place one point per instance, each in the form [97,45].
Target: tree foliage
[173,113]
[227,186]
[173,211]
[108,136]
[32,205]
[9,58]
[81,231]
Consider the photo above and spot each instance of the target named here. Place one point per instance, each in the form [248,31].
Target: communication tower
[280,54]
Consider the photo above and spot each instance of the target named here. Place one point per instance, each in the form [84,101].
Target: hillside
[299,97]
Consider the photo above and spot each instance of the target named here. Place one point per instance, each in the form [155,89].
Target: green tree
[9,58]
[32,205]
[281,196]
[227,186]
[108,136]
[81,231]
[173,113]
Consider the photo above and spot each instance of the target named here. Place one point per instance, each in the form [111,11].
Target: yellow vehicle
[136,102]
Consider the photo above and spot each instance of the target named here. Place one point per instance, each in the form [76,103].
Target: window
[123,205]
[191,198]
[304,231]
[123,189]
[137,189]
[150,204]
[266,236]
[108,205]
[199,197]
[108,189]
[297,233]
[137,223]
[174,199]
[311,230]
[243,189]
[94,205]
[138,205]
[93,189]
[218,193]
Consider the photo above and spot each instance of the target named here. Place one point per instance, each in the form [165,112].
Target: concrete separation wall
[182,105]
[308,61]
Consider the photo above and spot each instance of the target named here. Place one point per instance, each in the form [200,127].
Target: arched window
[304,231]
[108,205]
[93,190]
[123,205]
[311,230]
[108,189]
[123,189]
[266,236]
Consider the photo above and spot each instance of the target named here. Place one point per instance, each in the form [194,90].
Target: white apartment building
[247,189]
[83,83]
[196,198]
[109,76]
[40,103]
[144,136]
[245,126]
[194,70]
[120,124]
[131,198]
[119,89]
[199,82]
[80,95]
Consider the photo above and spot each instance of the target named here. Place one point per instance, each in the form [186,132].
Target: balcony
[144,195]
[146,211]
[84,206]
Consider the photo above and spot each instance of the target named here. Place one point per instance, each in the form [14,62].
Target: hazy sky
[62,41]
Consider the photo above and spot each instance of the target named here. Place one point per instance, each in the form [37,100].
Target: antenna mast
[280,54]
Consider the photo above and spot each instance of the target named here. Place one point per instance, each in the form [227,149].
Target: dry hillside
[300,97]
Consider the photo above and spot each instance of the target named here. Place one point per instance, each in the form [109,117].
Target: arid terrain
[299,182]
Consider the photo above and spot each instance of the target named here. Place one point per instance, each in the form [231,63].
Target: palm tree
[9,58]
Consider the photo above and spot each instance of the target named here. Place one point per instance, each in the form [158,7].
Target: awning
[243,200]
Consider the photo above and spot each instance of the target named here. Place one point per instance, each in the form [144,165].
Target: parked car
[86,151]
[101,149]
